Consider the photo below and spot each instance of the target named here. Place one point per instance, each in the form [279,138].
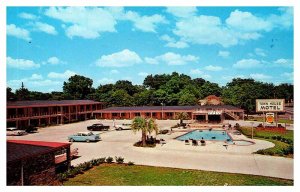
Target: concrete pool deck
[212,157]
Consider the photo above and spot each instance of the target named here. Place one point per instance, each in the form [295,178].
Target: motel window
[154,114]
[114,114]
[147,114]
[136,114]
[122,114]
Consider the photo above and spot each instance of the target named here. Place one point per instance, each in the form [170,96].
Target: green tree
[145,126]
[143,98]
[209,88]
[23,93]
[154,82]
[10,96]
[187,98]
[182,116]
[244,92]
[127,86]
[284,91]
[79,87]
[120,98]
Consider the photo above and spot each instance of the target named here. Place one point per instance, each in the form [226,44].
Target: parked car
[31,129]
[84,136]
[124,126]
[12,131]
[98,127]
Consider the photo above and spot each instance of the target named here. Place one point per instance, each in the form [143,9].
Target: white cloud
[247,64]
[28,16]
[144,23]
[260,76]
[65,75]
[143,74]
[85,22]
[119,59]
[151,61]
[21,63]
[44,27]
[171,42]
[91,22]
[284,62]
[54,61]
[46,82]
[182,11]
[206,76]
[36,77]
[105,81]
[224,54]
[285,19]
[213,68]
[15,31]
[196,72]
[171,58]
[205,30]
[35,82]
[246,21]
[260,52]
[237,28]
[114,71]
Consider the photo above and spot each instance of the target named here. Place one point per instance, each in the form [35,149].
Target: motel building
[43,113]
[199,113]
[21,114]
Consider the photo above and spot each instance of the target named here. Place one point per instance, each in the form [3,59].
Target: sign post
[270,106]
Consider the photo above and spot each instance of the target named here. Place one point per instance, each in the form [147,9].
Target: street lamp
[162,111]
[252,123]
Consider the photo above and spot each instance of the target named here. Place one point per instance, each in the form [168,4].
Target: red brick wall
[36,171]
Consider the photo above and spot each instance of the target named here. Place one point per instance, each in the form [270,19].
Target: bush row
[283,152]
[82,167]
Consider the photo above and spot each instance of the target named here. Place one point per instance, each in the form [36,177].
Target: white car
[123,126]
[12,131]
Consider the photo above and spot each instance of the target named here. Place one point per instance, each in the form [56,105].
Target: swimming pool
[206,135]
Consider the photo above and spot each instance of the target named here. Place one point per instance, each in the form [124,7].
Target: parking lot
[214,156]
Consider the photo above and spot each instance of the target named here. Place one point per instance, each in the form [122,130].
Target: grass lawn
[261,119]
[279,145]
[137,175]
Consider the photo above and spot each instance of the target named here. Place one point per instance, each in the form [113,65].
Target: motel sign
[269,105]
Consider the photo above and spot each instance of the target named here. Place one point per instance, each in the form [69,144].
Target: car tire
[72,140]
[87,140]
[120,128]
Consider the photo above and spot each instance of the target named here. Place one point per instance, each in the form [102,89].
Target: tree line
[162,89]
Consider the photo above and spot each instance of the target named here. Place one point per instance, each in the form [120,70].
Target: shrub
[119,160]
[101,160]
[130,163]
[283,139]
[237,126]
[288,150]
[109,160]
[274,137]
[278,138]
[267,137]
[94,162]
[289,141]
[62,177]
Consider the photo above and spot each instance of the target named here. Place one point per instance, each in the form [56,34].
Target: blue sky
[46,45]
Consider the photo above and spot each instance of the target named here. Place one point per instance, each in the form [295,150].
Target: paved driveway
[213,157]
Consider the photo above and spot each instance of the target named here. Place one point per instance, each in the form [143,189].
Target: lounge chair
[162,142]
[203,143]
[194,142]
[187,142]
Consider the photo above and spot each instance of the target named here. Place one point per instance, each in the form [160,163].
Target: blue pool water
[206,135]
